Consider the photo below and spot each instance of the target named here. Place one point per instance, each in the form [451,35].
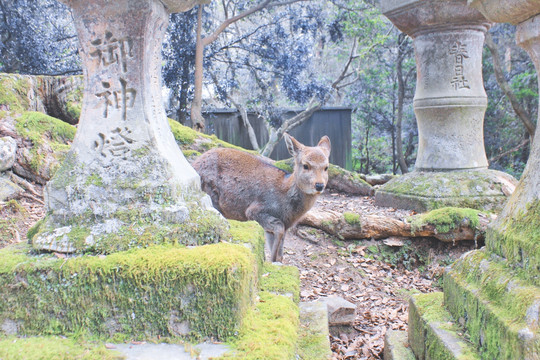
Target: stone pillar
[449,103]
[125,182]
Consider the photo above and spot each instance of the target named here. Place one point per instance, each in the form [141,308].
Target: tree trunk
[381,227]
[505,87]
[197,119]
[401,96]
[276,135]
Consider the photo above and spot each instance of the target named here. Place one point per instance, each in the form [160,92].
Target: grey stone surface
[9,327]
[170,351]
[450,100]
[8,150]
[124,157]
[340,311]
[424,191]
[511,11]
[8,189]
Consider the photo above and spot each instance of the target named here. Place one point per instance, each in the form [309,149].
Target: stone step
[433,333]
[498,307]
[313,338]
[396,346]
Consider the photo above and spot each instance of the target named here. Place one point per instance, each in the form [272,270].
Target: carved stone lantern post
[449,103]
[125,182]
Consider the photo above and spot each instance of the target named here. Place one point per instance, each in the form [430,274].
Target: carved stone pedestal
[449,103]
[125,182]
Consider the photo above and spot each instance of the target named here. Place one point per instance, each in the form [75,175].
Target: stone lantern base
[424,191]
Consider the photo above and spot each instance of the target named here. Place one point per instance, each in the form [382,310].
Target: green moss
[34,230]
[281,279]
[53,348]
[14,93]
[94,179]
[140,293]
[517,238]
[352,218]
[182,134]
[269,330]
[190,153]
[35,125]
[446,219]
[251,234]
[285,165]
[493,300]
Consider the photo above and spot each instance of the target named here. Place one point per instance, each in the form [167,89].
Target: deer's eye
[306,167]
[326,168]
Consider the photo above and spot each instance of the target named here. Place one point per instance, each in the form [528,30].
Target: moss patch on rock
[517,238]
[446,219]
[14,93]
[53,348]
[280,279]
[50,138]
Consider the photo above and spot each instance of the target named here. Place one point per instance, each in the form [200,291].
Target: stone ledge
[433,333]
[425,191]
[498,308]
[396,346]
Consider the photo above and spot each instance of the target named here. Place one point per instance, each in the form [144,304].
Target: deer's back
[236,180]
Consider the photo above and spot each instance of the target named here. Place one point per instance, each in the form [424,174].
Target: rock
[340,311]
[9,327]
[9,190]
[8,150]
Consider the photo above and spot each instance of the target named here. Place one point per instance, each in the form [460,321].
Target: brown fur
[244,187]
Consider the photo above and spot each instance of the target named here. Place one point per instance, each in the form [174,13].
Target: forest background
[267,56]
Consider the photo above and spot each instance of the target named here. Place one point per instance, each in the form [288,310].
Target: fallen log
[446,224]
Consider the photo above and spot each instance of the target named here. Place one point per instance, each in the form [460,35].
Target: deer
[244,187]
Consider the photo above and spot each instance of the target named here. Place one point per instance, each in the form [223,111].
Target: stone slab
[425,191]
[340,311]
[146,351]
[8,189]
[314,342]
[396,346]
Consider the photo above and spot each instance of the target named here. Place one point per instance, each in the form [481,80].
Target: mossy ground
[13,93]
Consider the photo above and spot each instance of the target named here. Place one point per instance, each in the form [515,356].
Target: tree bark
[401,96]
[381,227]
[505,87]
[197,120]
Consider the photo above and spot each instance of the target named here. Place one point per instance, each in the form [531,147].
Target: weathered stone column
[125,182]
[449,103]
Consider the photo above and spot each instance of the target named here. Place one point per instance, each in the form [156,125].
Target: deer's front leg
[274,230]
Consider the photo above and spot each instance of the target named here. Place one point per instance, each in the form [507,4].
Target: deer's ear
[325,145]
[293,145]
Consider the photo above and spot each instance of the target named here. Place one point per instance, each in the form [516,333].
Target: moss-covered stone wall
[138,294]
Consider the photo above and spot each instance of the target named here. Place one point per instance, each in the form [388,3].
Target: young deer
[244,187]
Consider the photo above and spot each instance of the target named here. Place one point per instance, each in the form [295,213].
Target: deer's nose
[319,186]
